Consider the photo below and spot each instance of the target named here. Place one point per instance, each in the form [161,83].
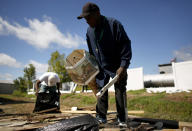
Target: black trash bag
[80,123]
[159,123]
[47,101]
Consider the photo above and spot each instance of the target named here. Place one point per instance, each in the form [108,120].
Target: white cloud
[47,17]
[1,27]
[6,76]
[183,54]
[40,68]
[41,34]
[6,60]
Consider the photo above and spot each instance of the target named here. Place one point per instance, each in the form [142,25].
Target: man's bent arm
[58,86]
[37,86]
[125,45]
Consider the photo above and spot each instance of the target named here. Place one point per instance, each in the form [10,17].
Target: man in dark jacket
[109,43]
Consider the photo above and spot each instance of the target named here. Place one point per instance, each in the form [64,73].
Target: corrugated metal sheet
[6,88]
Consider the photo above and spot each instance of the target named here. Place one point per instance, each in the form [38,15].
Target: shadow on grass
[5,101]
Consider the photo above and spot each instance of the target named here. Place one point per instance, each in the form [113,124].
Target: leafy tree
[29,75]
[56,64]
[20,84]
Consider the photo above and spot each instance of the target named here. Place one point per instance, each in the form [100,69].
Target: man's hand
[93,85]
[121,72]
[37,87]
[58,87]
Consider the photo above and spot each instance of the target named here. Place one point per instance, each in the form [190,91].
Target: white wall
[68,87]
[135,79]
[182,72]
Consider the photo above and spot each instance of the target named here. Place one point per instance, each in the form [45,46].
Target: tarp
[80,123]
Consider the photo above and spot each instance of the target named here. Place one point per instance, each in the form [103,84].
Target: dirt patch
[5,101]
[16,105]
[30,121]
[17,108]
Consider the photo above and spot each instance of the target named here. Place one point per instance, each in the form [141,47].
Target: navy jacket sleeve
[124,44]
[89,46]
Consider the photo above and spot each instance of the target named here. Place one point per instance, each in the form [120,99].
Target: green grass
[144,102]
[66,96]
[79,88]
[78,100]
[112,100]
[31,96]
[137,92]
[160,105]
[154,105]
[22,94]
[19,93]
[157,107]
[88,100]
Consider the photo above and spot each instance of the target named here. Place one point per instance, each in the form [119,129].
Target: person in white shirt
[46,91]
[48,81]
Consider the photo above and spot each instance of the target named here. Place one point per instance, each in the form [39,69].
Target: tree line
[55,64]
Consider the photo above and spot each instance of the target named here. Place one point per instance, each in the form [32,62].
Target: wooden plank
[113,129]
[47,110]
[187,129]
[94,112]
[185,124]
[171,130]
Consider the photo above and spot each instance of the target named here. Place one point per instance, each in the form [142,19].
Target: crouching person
[47,92]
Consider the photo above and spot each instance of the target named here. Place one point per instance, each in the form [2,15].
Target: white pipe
[159,80]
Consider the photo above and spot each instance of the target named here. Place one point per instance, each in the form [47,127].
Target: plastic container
[81,67]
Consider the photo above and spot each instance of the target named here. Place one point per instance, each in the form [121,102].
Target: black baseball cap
[88,9]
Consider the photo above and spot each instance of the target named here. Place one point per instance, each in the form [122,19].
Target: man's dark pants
[121,101]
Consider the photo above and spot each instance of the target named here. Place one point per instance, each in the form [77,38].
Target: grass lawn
[177,106]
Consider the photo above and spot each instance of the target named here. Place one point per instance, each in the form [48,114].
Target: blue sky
[30,30]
